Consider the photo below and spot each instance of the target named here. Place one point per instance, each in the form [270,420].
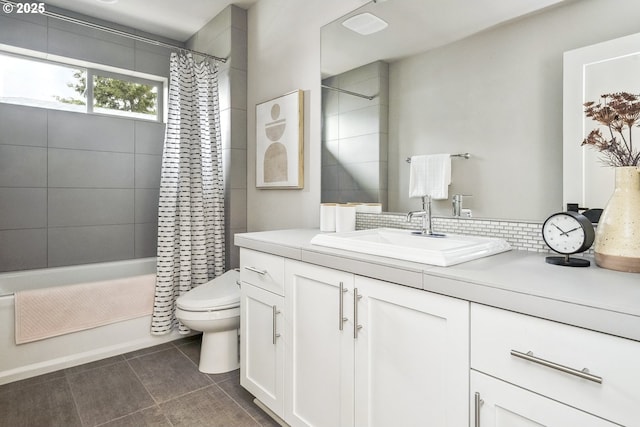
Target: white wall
[497,95]
[284,55]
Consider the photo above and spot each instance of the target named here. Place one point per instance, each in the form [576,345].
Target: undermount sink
[405,245]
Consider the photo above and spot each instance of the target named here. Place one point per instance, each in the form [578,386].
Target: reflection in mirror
[451,87]
[607,67]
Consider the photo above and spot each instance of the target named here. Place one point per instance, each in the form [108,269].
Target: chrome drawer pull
[341,318]
[356,327]
[256,270]
[477,404]
[584,374]
[275,333]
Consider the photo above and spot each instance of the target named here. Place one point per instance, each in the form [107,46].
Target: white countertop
[594,298]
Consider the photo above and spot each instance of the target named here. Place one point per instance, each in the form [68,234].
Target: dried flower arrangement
[619,112]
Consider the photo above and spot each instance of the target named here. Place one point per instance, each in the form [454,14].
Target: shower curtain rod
[348,92]
[120,32]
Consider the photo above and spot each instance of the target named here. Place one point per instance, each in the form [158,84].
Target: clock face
[568,233]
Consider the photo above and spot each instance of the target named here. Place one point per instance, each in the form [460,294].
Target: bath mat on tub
[45,313]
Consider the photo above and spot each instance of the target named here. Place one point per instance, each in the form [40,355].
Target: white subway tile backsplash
[521,235]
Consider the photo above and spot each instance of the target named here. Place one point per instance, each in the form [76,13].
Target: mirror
[495,95]
[608,67]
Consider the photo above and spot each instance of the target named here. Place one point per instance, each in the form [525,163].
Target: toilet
[214,309]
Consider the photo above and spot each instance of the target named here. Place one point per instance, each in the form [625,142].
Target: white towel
[430,176]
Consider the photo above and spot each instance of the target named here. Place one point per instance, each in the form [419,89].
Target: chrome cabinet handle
[275,333]
[356,327]
[341,318]
[256,270]
[477,404]
[584,374]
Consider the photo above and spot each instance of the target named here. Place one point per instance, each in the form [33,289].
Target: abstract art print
[279,142]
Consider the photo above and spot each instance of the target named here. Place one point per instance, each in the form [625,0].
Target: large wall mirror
[483,78]
[589,72]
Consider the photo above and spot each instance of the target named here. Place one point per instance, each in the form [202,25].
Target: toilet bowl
[214,309]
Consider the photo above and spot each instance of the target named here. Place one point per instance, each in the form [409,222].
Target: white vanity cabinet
[261,327]
[588,377]
[363,352]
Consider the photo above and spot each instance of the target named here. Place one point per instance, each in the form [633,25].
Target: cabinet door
[261,349]
[501,404]
[319,346]
[411,357]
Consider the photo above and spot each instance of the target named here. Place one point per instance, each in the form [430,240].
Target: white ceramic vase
[617,244]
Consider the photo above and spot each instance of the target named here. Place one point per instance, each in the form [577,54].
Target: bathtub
[51,354]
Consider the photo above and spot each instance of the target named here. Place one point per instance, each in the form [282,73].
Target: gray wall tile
[72,45]
[151,63]
[23,208]
[146,240]
[90,169]
[90,132]
[149,137]
[96,206]
[146,205]
[82,245]
[148,169]
[23,249]
[21,33]
[23,166]
[23,125]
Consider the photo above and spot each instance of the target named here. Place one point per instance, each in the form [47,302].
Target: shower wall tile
[235,168]
[23,249]
[24,34]
[149,137]
[360,122]
[91,49]
[23,125]
[96,206]
[22,166]
[239,51]
[150,62]
[147,171]
[82,245]
[146,240]
[90,132]
[358,149]
[237,205]
[23,208]
[90,169]
[146,205]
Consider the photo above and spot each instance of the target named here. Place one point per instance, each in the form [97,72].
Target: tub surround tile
[89,169]
[23,208]
[82,245]
[23,166]
[149,137]
[146,240]
[23,249]
[23,125]
[148,169]
[70,130]
[146,204]
[106,393]
[98,206]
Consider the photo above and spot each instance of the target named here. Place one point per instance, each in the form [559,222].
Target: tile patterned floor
[159,386]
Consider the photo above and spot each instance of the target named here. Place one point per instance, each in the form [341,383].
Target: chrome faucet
[457,203]
[425,213]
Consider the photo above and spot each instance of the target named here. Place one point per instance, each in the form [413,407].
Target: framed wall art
[279,142]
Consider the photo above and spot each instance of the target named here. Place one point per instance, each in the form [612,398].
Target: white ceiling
[175,19]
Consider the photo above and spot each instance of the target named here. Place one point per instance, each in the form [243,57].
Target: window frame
[92,69]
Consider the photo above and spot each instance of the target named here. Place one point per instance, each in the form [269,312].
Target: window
[46,84]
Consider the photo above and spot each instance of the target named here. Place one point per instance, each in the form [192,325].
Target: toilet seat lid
[221,292]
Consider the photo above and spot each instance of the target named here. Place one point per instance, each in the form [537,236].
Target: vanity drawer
[263,270]
[500,341]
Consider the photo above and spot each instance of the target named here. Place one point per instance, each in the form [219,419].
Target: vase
[617,243]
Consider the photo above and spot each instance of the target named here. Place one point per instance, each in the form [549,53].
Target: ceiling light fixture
[365,24]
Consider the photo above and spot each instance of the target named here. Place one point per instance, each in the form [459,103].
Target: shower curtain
[191,204]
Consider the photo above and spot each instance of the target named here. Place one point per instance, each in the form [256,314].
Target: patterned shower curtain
[191,205]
